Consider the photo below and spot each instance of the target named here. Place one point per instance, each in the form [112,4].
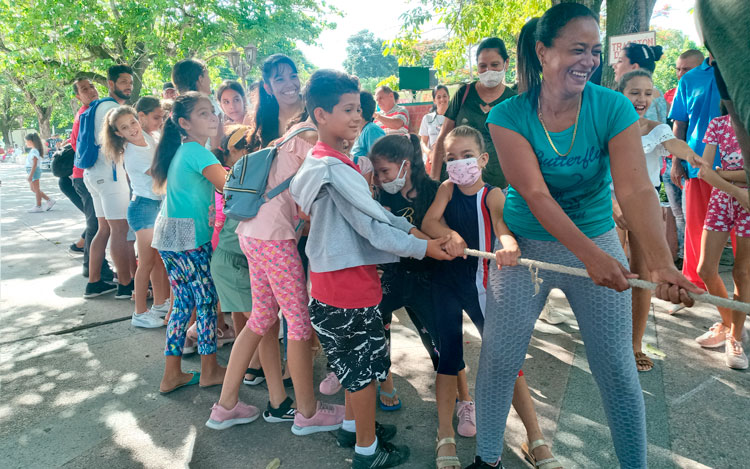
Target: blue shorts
[142,213]
[37,173]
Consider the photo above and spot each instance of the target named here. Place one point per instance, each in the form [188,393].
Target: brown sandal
[641,359]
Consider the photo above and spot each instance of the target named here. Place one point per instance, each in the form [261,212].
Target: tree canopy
[45,44]
[365,59]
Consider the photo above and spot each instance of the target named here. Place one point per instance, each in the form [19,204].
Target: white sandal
[446,461]
[549,463]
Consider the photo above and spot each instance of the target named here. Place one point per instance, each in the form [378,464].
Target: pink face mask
[463,172]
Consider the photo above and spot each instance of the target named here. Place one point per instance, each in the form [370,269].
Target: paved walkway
[78,384]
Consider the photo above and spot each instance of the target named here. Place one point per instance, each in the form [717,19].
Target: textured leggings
[189,275]
[606,328]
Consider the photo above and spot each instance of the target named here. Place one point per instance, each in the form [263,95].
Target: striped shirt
[399,112]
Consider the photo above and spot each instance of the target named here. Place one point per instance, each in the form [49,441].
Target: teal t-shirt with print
[579,182]
[185,221]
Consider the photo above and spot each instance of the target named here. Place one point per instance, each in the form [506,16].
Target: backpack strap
[284,185]
[466,94]
[279,189]
[294,134]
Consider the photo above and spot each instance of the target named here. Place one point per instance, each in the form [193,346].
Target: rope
[534,267]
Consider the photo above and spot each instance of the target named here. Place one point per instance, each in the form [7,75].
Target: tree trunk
[43,115]
[624,17]
[6,135]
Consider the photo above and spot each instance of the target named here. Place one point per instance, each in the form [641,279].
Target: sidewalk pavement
[79,384]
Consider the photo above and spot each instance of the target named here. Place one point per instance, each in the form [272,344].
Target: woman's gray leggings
[605,321]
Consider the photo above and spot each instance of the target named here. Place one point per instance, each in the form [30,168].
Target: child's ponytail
[172,137]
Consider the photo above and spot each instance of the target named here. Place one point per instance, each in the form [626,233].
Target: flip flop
[194,380]
[389,395]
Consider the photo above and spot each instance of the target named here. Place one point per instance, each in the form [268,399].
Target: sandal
[389,395]
[193,381]
[549,463]
[446,461]
[641,359]
[257,374]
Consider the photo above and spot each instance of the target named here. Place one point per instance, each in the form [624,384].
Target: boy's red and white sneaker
[327,417]
[714,337]
[222,418]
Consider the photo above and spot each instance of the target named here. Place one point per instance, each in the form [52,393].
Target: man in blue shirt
[695,104]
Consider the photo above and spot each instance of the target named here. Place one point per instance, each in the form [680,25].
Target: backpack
[245,189]
[62,161]
[87,150]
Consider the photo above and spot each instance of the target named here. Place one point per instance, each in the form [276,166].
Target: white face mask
[491,78]
[397,184]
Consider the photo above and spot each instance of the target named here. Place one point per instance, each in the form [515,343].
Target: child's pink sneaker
[467,418]
[715,337]
[330,385]
[222,418]
[327,417]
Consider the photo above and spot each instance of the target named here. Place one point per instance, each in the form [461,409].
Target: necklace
[575,128]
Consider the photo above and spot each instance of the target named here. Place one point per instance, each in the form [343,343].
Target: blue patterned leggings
[190,277]
[606,328]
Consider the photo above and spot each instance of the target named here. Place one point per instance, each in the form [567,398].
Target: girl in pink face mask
[470,212]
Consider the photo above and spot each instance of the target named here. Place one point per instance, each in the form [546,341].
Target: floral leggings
[190,278]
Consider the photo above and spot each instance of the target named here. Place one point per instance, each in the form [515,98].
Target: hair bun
[658,52]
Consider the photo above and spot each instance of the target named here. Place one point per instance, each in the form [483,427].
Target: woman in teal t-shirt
[556,143]
[182,234]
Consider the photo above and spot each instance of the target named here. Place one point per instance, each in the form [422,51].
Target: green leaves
[467,23]
[366,57]
[44,44]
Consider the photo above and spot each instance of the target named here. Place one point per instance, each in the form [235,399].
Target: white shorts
[110,197]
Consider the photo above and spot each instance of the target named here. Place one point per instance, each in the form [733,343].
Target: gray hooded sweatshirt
[348,228]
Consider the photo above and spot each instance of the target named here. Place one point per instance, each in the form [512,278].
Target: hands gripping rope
[534,267]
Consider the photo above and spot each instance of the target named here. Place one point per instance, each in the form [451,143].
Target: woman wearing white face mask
[470,106]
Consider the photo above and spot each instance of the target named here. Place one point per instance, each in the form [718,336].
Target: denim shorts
[37,173]
[142,212]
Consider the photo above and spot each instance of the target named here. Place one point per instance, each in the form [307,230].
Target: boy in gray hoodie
[350,233]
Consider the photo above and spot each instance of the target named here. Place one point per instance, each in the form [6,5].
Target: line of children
[470,213]
[350,234]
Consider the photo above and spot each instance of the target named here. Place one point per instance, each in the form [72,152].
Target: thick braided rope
[637,283]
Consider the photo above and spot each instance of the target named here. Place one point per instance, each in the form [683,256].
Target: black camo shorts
[354,343]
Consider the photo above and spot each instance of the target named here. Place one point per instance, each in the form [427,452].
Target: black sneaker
[108,275]
[94,289]
[347,439]
[387,455]
[284,413]
[75,249]
[479,464]
[124,292]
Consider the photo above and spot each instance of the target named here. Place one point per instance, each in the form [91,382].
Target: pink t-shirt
[278,219]
[721,133]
